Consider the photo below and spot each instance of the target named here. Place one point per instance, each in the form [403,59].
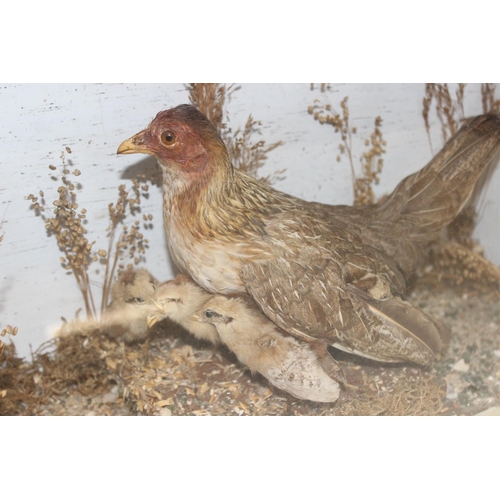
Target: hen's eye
[168,138]
[209,314]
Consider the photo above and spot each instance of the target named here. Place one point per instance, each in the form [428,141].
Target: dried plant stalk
[372,164]
[131,239]
[249,156]
[450,112]
[9,330]
[210,99]
[245,153]
[371,160]
[457,263]
[323,87]
[490,104]
[66,223]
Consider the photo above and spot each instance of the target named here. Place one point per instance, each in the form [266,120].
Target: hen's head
[183,140]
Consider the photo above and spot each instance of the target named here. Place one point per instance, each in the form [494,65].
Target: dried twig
[450,112]
[490,104]
[371,160]
[67,225]
[246,154]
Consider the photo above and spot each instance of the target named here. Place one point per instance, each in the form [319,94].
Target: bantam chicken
[132,301]
[289,364]
[332,273]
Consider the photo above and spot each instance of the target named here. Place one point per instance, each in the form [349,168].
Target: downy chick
[132,301]
[289,364]
[178,300]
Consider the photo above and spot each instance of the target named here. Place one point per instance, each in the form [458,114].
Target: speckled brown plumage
[333,273]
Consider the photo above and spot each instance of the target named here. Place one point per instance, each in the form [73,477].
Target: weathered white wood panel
[39,121]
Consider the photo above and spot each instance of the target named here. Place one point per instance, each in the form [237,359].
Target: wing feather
[311,301]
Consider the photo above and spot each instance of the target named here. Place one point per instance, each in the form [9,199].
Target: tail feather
[431,198]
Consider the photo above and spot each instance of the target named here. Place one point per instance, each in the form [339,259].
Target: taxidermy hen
[335,274]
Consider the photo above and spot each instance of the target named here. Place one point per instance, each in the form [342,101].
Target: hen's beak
[135,144]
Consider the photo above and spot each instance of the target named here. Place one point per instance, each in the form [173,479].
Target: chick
[289,364]
[133,297]
[178,300]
